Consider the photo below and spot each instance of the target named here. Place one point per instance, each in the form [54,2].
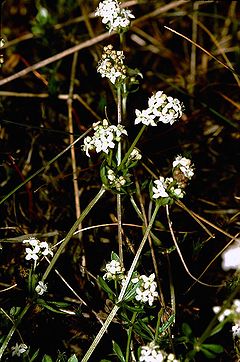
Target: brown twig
[54,58]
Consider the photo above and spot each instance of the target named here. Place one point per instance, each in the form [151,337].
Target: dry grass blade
[200,47]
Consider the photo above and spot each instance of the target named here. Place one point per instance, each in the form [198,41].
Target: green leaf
[47,358]
[73,358]
[186,329]
[14,311]
[165,326]
[131,292]
[45,305]
[207,353]
[34,356]
[118,351]
[139,308]
[59,304]
[218,328]
[114,256]
[145,328]
[216,348]
[142,332]
[105,287]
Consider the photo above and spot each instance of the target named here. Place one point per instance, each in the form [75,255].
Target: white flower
[45,250]
[223,315]
[236,306]
[32,253]
[146,291]
[104,138]
[166,187]
[159,190]
[145,117]
[36,249]
[171,358]
[236,330]
[114,270]
[19,349]
[151,353]
[135,155]
[177,192]
[111,65]
[231,257]
[113,15]
[185,165]
[156,100]
[161,108]
[41,288]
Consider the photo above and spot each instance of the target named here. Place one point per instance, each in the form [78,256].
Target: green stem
[13,329]
[160,313]
[130,336]
[212,324]
[123,290]
[72,230]
[100,333]
[132,147]
[138,253]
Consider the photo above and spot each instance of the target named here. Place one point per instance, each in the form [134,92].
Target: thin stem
[155,265]
[180,254]
[130,330]
[72,230]
[100,333]
[138,253]
[13,329]
[132,146]
[71,137]
[171,286]
[208,330]
[123,290]
[43,168]
[160,313]
[119,156]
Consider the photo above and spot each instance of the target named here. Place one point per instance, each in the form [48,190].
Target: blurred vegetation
[34,128]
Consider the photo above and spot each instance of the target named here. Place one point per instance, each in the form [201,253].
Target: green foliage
[106,288]
[73,358]
[47,358]
[118,352]
[50,305]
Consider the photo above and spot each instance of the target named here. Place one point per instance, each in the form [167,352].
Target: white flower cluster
[152,353]
[19,349]
[232,314]
[111,65]
[104,137]
[185,166]
[114,271]
[116,181]
[231,257]
[146,291]
[36,249]
[166,187]
[115,18]
[161,108]
[183,171]
[41,288]
[135,155]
